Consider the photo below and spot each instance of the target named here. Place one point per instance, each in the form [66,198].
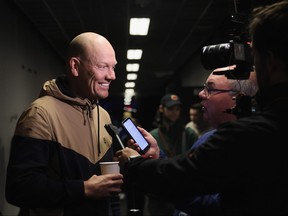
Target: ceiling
[178,29]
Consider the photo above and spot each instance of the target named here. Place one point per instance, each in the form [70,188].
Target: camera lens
[218,55]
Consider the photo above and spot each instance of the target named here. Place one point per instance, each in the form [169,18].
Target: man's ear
[74,64]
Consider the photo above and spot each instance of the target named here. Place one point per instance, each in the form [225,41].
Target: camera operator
[245,161]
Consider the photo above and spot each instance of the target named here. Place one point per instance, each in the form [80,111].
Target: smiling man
[60,139]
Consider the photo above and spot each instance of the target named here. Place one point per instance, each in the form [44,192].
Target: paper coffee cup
[109,167]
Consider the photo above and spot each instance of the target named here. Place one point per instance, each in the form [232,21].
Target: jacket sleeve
[30,181]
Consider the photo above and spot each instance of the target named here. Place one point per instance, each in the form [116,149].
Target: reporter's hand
[103,185]
[153,151]
[124,154]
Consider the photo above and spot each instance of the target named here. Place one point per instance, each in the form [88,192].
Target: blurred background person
[173,138]
[197,121]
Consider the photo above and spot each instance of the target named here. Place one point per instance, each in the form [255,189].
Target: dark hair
[268,29]
[196,106]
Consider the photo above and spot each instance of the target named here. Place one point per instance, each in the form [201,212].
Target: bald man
[60,139]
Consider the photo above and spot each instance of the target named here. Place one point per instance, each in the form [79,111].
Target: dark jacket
[245,161]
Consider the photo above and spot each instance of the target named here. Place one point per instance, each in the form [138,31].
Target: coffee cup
[109,167]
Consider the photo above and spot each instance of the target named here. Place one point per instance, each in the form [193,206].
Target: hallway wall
[26,61]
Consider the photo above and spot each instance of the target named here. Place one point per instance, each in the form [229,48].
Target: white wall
[26,61]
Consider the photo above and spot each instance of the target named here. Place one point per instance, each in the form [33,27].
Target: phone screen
[135,134]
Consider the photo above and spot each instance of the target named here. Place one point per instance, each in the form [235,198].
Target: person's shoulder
[191,124]
[207,134]
[154,131]
[190,130]
[247,125]
[104,115]
[44,102]
[102,110]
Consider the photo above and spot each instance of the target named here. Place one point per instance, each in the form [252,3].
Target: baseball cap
[170,100]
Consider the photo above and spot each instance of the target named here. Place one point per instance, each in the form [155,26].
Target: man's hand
[103,185]
[153,151]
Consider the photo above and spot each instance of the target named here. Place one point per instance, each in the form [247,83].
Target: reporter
[245,161]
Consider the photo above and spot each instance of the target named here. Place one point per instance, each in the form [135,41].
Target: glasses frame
[208,91]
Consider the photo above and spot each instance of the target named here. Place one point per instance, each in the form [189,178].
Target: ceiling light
[130,84]
[131,76]
[132,67]
[129,92]
[134,53]
[127,101]
[139,26]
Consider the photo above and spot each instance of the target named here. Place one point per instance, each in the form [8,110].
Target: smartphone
[135,134]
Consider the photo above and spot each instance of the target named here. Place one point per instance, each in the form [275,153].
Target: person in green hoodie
[173,138]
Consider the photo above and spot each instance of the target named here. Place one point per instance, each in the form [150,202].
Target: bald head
[87,45]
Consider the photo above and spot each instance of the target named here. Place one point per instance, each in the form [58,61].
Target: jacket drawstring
[98,138]
[84,113]
[88,112]
[89,115]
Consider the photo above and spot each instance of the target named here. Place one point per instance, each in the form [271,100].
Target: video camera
[225,54]
[233,53]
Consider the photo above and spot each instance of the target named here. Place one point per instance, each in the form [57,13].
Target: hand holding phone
[135,134]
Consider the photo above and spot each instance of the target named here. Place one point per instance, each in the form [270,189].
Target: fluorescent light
[129,92]
[132,67]
[134,53]
[139,26]
[127,100]
[130,84]
[131,76]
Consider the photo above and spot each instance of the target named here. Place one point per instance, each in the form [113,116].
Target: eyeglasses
[209,91]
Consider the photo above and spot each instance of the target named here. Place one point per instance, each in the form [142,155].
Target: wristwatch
[131,158]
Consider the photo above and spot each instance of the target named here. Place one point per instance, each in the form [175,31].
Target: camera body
[225,54]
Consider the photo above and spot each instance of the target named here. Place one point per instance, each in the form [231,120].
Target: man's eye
[105,67]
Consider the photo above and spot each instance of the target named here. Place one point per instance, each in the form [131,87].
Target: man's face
[171,113]
[194,114]
[96,74]
[215,103]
